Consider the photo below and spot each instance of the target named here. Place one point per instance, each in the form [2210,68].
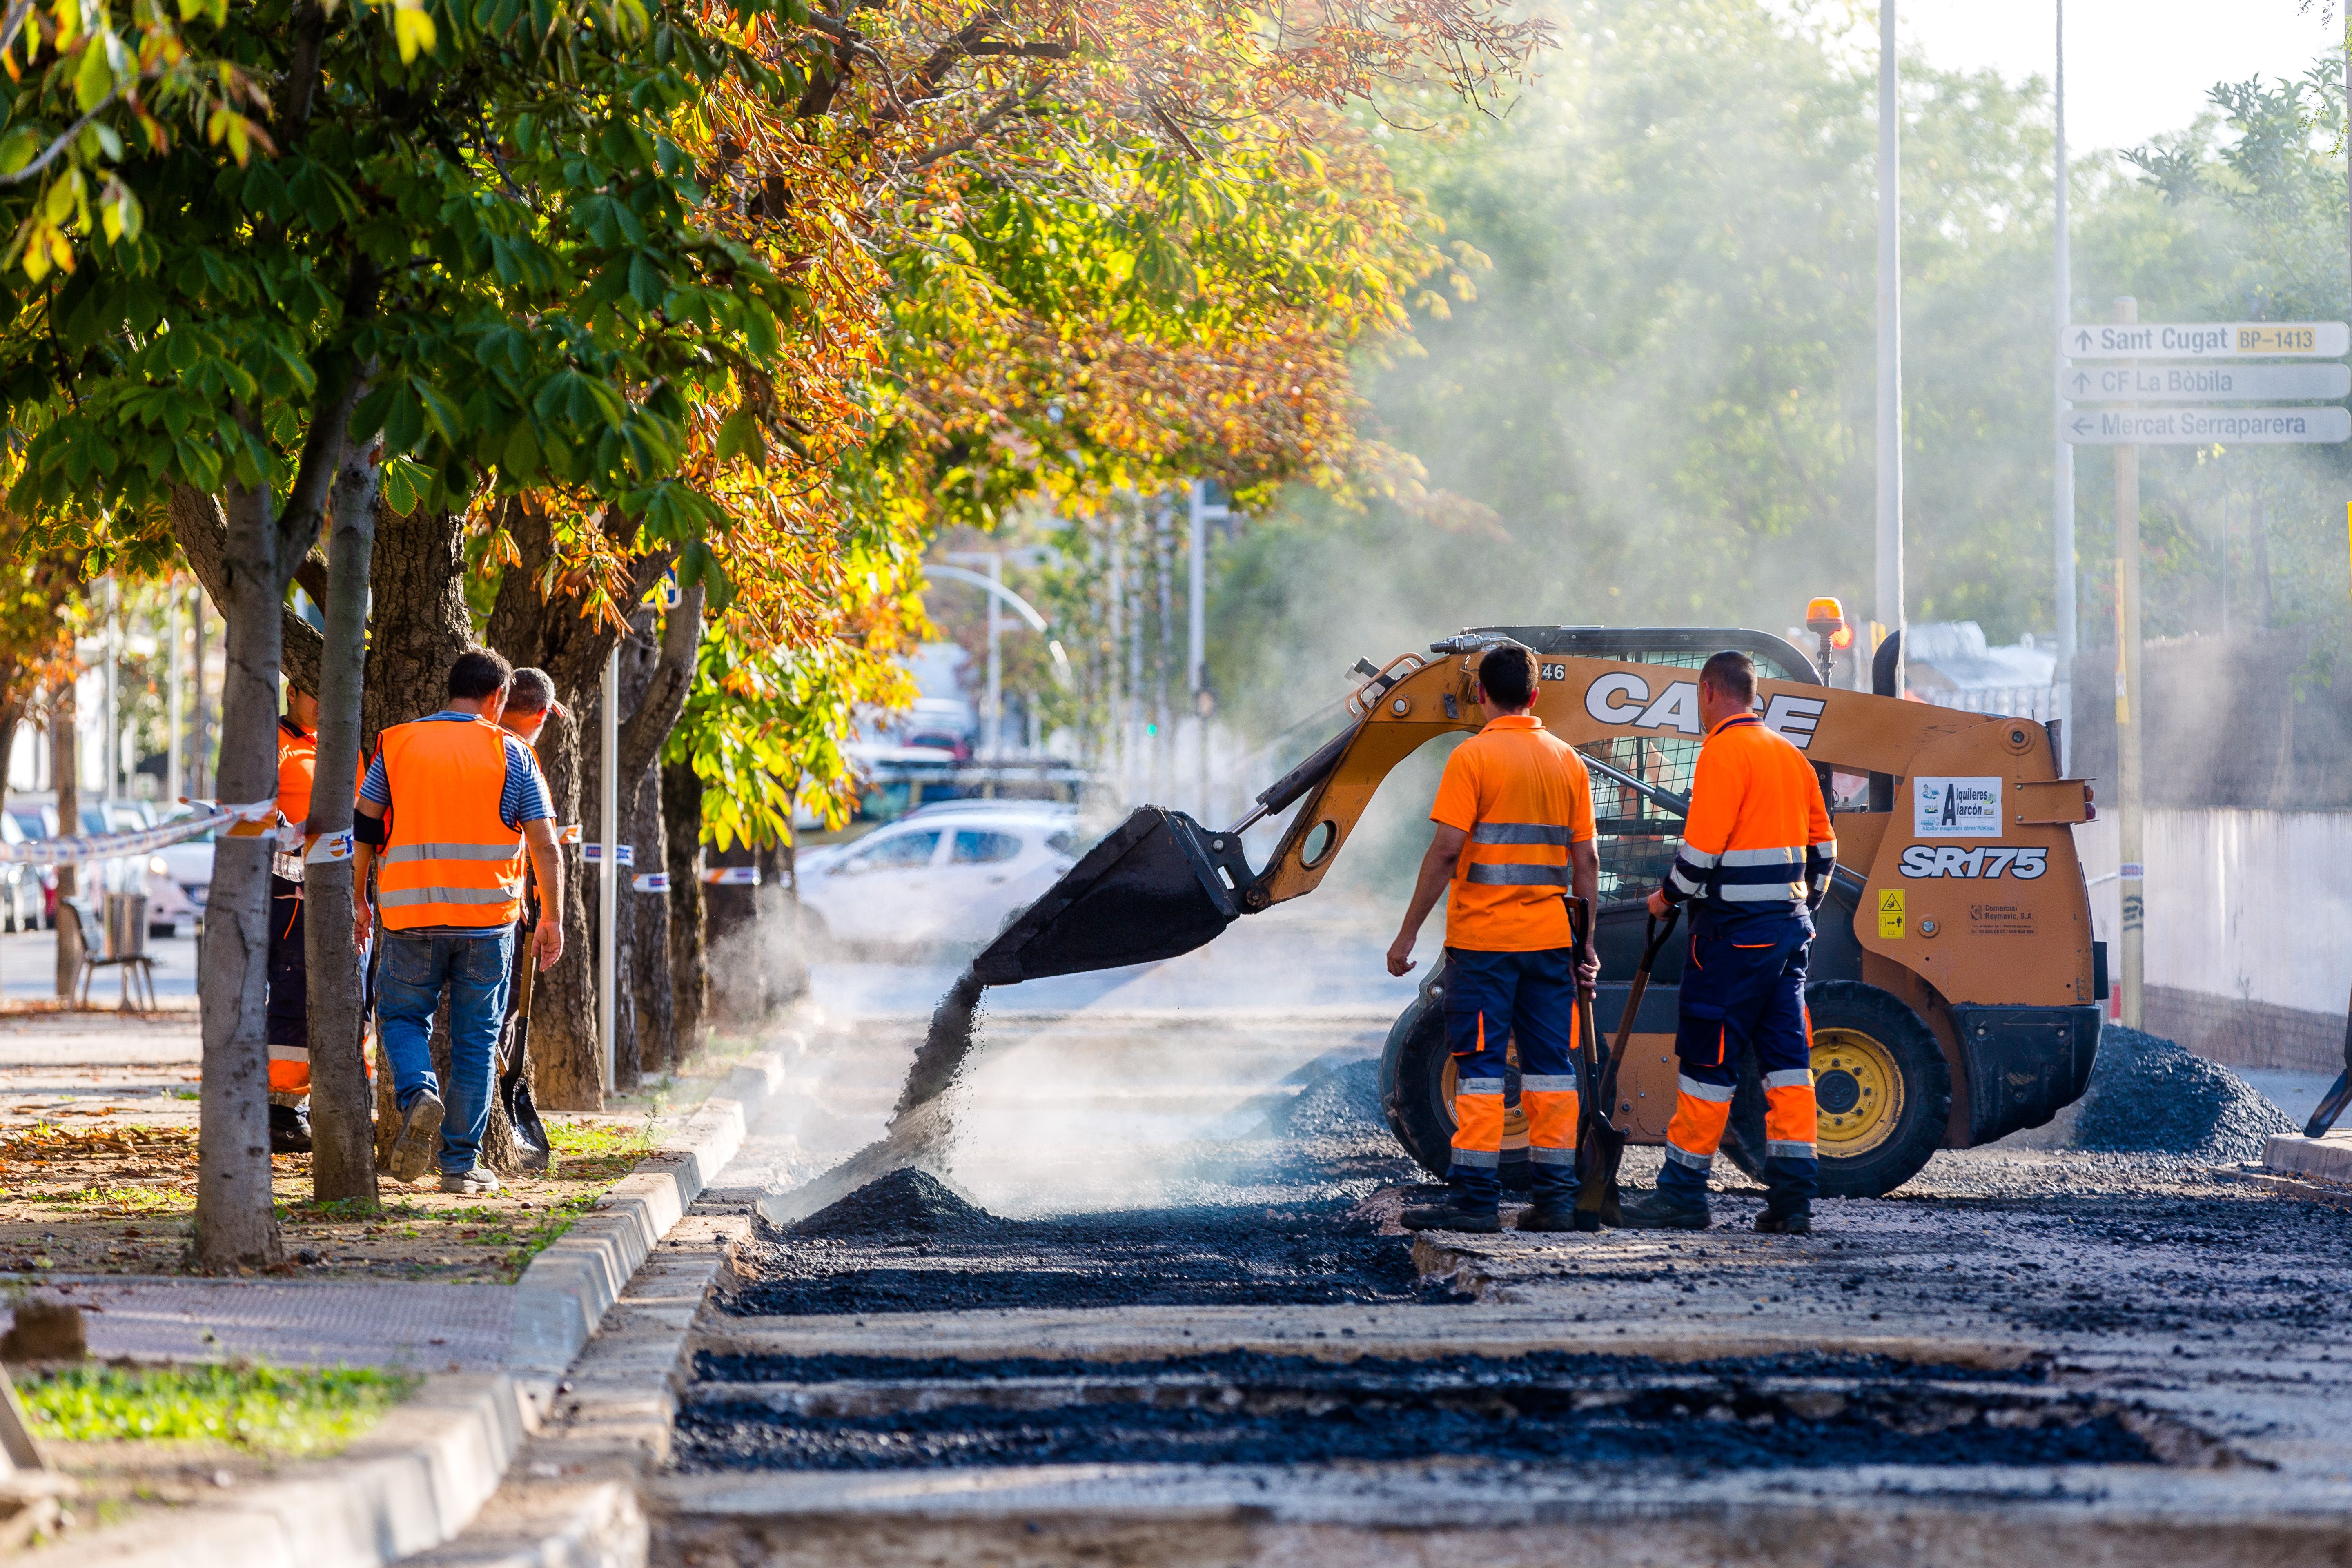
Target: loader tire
[1884,1087]
[1416,1088]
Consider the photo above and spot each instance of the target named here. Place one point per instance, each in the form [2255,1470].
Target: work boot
[1794,1221]
[419,1143]
[1555,1217]
[478,1182]
[1451,1216]
[1658,1211]
[289,1131]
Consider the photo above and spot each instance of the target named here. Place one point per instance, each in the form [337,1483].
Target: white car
[948,874]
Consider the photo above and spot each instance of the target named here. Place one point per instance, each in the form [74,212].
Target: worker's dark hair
[1507,676]
[479,673]
[1733,673]
[532,691]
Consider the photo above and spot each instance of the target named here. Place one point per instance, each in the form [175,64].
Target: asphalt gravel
[2147,1095]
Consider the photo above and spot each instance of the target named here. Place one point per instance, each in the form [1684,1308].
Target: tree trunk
[342,1163]
[689,977]
[236,1227]
[12,714]
[65,764]
[565,1066]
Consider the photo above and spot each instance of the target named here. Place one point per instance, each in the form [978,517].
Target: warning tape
[651,882]
[139,841]
[732,876]
[622,854]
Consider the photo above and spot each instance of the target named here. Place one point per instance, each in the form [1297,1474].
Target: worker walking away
[465,798]
[1513,835]
[1756,860]
[288,1014]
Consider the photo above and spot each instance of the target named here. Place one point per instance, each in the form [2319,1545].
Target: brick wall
[2246,1034]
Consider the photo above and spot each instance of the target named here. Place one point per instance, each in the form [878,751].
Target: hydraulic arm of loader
[1162,884]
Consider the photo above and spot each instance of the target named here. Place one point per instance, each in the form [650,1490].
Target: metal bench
[118,941]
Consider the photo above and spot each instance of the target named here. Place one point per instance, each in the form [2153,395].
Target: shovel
[2339,1095]
[1596,1198]
[514,1082]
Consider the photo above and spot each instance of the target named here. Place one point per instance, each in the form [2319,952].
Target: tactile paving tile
[422,1328]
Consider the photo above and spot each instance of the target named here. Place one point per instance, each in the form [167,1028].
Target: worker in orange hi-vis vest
[1754,863]
[1513,836]
[288,1016]
[466,805]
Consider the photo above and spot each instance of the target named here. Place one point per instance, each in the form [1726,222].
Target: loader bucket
[1162,885]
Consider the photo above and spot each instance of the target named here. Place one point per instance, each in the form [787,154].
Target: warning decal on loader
[1890,913]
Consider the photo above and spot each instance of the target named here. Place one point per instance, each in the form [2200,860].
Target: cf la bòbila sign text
[2206,340]
[2202,383]
[2203,426]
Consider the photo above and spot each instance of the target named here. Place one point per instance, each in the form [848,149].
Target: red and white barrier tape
[139,841]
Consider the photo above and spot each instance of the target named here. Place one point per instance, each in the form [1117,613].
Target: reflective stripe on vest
[451,861]
[1491,873]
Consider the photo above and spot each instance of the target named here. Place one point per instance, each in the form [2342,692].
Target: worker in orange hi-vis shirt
[1754,863]
[1512,836]
[288,1007]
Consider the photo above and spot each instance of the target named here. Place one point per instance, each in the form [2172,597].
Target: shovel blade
[1160,886]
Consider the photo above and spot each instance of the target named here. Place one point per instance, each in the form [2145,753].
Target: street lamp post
[1890,342]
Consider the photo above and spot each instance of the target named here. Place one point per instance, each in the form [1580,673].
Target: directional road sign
[2206,340]
[2202,426]
[2201,383]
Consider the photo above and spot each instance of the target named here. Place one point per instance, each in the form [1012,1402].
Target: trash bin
[126,925]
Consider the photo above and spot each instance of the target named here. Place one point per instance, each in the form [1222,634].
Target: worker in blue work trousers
[1754,863]
[1513,834]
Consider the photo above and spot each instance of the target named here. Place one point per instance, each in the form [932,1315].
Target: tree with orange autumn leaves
[744,293]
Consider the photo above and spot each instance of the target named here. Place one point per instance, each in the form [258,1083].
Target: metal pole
[111,752]
[2062,497]
[1196,634]
[1890,341]
[1163,754]
[995,663]
[200,729]
[174,760]
[608,881]
[1117,636]
[2128,711]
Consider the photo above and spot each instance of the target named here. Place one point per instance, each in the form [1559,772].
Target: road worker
[288,1016]
[465,799]
[1513,835]
[1754,862]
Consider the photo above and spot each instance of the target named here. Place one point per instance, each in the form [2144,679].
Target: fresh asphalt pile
[2147,1095]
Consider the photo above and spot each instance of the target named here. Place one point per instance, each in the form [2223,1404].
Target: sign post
[2128,708]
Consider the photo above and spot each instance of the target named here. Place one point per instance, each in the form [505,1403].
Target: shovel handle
[1658,934]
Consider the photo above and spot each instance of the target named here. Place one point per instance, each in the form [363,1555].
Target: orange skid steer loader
[1955,986]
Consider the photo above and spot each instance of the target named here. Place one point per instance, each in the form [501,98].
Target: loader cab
[1637,838]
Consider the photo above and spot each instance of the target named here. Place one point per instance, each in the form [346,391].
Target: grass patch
[267,1410]
[599,1139]
[560,1216]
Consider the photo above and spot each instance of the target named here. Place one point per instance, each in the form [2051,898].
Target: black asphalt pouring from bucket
[1545,1409]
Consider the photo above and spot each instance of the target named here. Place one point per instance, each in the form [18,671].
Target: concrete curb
[420,1479]
[567,1289]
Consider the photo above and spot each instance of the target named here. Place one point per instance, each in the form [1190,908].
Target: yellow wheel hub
[1859,1089]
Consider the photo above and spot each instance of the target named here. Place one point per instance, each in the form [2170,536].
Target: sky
[2134,67]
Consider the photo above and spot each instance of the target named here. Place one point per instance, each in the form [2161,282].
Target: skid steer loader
[1955,986]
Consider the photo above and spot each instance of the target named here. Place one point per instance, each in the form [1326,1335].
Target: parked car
[22,896]
[179,877]
[948,874]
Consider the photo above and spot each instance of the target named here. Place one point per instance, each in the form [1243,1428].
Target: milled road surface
[2028,1354]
